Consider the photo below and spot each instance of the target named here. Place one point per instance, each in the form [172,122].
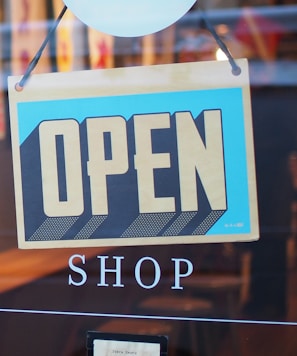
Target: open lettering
[199,156]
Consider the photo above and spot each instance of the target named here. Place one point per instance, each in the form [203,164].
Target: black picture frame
[162,340]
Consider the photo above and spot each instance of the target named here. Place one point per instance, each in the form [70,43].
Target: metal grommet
[236,71]
[18,87]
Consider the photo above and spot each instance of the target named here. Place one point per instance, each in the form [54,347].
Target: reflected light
[220,55]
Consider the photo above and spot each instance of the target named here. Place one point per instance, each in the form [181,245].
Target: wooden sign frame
[174,143]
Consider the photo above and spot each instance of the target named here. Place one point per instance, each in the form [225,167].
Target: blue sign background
[236,219]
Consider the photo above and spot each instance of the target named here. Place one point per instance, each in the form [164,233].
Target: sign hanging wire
[235,68]
[20,85]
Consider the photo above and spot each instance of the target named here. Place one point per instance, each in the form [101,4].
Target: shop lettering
[78,276]
[197,155]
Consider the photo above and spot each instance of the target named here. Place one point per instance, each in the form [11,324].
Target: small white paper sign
[119,348]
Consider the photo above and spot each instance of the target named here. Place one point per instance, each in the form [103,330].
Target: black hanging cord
[20,85]
[235,68]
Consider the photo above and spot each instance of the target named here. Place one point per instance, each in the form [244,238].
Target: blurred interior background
[248,281]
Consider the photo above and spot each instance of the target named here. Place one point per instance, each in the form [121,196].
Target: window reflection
[263,272]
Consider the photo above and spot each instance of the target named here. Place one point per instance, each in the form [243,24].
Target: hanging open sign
[131,156]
